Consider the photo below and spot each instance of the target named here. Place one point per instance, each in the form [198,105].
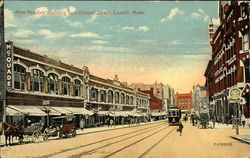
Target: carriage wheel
[45,136]
[73,133]
[60,134]
[36,135]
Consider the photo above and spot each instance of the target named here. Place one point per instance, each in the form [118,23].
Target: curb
[241,140]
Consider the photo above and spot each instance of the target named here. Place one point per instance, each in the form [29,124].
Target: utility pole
[2,65]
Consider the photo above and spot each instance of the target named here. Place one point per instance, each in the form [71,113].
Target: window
[116,97]
[103,96]
[66,86]
[122,98]
[131,100]
[77,88]
[36,80]
[247,70]
[19,77]
[93,94]
[245,42]
[52,83]
[110,96]
[127,99]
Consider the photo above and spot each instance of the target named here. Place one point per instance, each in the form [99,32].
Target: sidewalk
[89,130]
[242,138]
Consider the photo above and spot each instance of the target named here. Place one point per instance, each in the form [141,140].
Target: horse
[11,131]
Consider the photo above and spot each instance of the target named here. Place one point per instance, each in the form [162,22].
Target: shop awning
[50,110]
[62,110]
[28,110]
[82,111]
[12,112]
[103,112]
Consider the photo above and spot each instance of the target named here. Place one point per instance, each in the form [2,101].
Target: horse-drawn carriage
[203,120]
[61,126]
[33,132]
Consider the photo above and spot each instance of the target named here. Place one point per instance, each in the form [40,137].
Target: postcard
[122,79]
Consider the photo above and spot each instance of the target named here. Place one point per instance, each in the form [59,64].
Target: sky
[140,41]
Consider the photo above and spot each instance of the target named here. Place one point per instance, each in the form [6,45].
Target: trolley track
[103,140]
[124,139]
[154,145]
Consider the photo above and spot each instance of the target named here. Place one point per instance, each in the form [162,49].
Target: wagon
[203,120]
[33,132]
[61,126]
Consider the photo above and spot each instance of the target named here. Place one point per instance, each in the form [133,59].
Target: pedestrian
[243,120]
[122,121]
[180,128]
[111,122]
[82,123]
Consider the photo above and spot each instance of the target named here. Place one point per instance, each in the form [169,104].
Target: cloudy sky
[165,41]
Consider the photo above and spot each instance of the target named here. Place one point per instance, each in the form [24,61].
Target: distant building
[155,104]
[163,92]
[230,60]
[184,101]
[197,93]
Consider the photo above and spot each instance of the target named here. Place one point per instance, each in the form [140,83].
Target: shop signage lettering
[9,65]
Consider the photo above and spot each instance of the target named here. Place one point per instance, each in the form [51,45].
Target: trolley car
[174,116]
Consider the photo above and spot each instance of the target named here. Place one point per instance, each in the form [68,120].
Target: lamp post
[234,95]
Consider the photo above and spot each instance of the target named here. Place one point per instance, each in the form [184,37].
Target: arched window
[77,88]
[117,97]
[36,80]
[122,98]
[19,77]
[103,96]
[110,96]
[53,83]
[93,94]
[127,99]
[65,86]
[131,100]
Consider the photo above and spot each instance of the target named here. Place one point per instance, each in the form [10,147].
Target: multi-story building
[199,98]
[229,65]
[163,92]
[107,94]
[184,101]
[155,104]
[39,86]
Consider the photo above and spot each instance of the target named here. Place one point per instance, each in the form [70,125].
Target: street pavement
[194,143]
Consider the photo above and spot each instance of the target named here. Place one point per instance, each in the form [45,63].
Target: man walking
[82,124]
[180,128]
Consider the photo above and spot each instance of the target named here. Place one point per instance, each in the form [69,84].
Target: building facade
[163,92]
[155,104]
[229,65]
[40,86]
[199,99]
[184,101]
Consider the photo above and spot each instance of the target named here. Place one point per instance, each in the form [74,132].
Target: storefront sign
[9,64]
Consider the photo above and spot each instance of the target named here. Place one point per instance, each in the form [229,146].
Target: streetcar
[174,116]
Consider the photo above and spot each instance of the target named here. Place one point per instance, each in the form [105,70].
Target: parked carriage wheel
[35,135]
[60,134]
[73,133]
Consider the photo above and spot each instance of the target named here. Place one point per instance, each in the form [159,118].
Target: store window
[36,80]
[65,86]
[19,77]
[77,88]
[52,83]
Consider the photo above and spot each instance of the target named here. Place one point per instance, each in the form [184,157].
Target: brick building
[155,104]
[184,101]
[229,64]
[39,86]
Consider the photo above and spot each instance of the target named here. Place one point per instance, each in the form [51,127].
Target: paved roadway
[155,140]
